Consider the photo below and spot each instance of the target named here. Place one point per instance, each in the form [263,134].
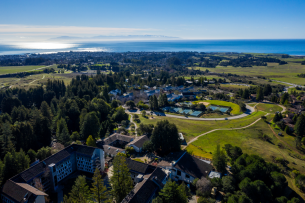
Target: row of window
[6,200]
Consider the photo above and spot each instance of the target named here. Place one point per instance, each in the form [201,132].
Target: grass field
[17,69]
[286,73]
[269,108]
[248,140]
[235,107]
[193,128]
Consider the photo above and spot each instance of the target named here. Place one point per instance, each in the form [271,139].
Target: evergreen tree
[165,137]
[156,106]
[105,94]
[90,141]
[80,191]
[99,190]
[171,193]
[6,139]
[284,98]
[62,133]
[299,127]
[121,181]
[219,159]
[287,130]
[259,94]
[32,155]
[295,118]
[90,126]
[46,111]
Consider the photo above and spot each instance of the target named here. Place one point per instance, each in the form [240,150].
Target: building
[114,144]
[21,192]
[138,143]
[185,167]
[115,92]
[148,187]
[54,170]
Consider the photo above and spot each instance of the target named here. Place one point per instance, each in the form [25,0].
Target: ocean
[292,46]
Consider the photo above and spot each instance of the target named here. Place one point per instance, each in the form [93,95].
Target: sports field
[235,107]
[269,108]
[17,69]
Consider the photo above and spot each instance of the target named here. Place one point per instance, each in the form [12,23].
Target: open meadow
[17,69]
[285,73]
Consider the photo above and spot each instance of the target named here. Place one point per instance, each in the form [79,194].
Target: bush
[300,182]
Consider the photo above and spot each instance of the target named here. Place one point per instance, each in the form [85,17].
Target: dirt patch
[151,118]
[205,103]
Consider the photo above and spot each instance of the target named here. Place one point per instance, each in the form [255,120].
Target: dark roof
[187,93]
[139,167]
[111,150]
[39,168]
[287,120]
[116,136]
[193,166]
[170,158]
[140,141]
[144,190]
[17,191]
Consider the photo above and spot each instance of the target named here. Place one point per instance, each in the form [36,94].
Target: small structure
[138,143]
[214,174]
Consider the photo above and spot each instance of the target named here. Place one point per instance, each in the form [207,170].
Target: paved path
[249,111]
[37,79]
[135,125]
[194,139]
[287,83]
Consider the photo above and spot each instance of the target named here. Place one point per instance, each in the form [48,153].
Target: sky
[41,20]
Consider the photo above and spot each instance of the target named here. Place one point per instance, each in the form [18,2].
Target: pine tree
[62,133]
[90,126]
[299,127]
[80,191]
[165,137]
[276,118]
[105,94]
[6,139]
[219,159]
[90,141]
[156,106]
[99,190]
[121,181]
[287,129]
[259,94]
[171,193]
[46,111]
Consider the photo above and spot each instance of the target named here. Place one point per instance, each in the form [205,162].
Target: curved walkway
[194,139]
[248,112]
[135,125]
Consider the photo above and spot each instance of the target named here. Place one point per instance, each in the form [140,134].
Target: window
[54,169]
[178,173]
[187,176]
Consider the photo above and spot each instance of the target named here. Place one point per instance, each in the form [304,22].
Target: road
[248,112]
[287,83]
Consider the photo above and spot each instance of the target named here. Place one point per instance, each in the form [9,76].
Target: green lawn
[235,107]
[17,69]
[193,128]
[269,108]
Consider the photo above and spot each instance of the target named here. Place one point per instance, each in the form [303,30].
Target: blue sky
[192,19]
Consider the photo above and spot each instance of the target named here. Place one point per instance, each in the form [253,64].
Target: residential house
[115,92]
[186,168]
[138,143]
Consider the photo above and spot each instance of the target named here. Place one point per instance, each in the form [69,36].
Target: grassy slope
[16,69]
[192,128]
[235,107]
